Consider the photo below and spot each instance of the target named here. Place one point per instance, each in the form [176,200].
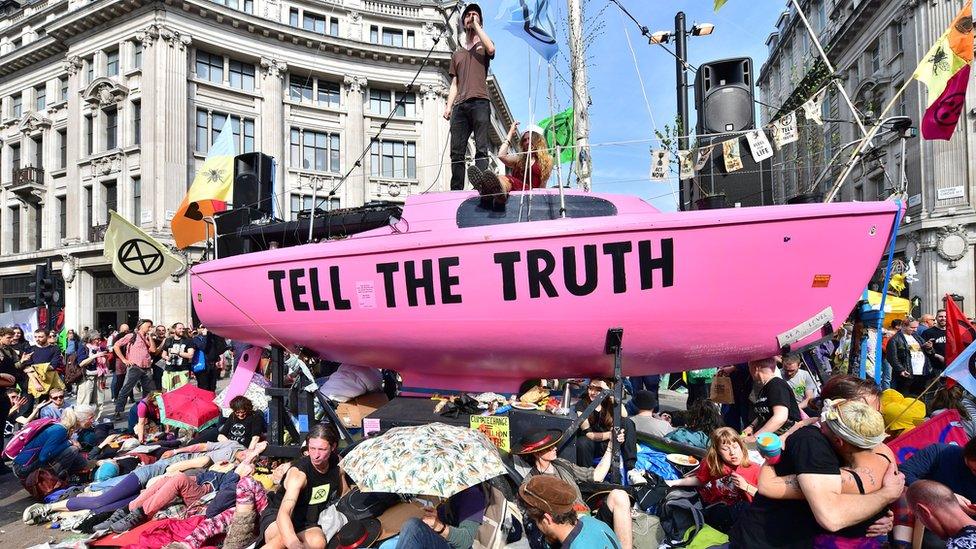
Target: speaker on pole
[254,182]
[724,92]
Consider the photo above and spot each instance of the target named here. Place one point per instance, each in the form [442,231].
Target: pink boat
[454,296]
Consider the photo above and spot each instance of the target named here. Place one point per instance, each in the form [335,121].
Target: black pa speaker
[228,225]
[750,186]
[253,178]
[724,93]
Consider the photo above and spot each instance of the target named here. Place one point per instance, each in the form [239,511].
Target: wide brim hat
[473,7]
[356,534]
[538,441]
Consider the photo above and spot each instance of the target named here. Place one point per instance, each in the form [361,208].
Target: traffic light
[43,286]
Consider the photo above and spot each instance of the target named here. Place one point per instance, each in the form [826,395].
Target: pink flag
[940,118]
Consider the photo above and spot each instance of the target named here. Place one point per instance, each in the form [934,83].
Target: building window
[38,152]
[328,93]
[137,55]
[16,106]
[62,218]
[38,227]
[14,158]
[300,203]
[300,89]
[111,192]
[411,40]
[112,63]
[15,230]
[89,134]
[90,71]
[821,16]
[89,211]
[210,67]
[111,128]
[897,45]
[381,101]
[393,37]
[875,54]
[241,75]
[312,150]
[248,6]
[374,34]
[63,149]
[393,159]
[313,22]
[293,17]
[136,122]
[900,108]
[64,88]
[334,26]
[40,98]
[137,201]
[210,124]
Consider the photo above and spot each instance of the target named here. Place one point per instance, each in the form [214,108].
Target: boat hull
[487,307]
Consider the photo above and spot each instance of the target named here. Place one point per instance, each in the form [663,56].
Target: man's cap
[645,400]
[537,441]
[472,7]
[548,493]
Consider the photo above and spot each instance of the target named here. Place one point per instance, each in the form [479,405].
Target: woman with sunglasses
[54,408]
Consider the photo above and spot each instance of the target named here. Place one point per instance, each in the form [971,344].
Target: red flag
[959,331]
[940,118]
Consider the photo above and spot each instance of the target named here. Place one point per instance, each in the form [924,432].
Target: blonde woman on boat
[530,165]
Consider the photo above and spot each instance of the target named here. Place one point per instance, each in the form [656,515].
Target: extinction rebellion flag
[138,260]
[530,21]
[559,133]
[945,72]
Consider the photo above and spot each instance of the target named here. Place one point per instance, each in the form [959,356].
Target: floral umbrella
[188,407]
[434,460]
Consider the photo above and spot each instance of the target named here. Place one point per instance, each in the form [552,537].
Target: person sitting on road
[244,425]
[550,503]
[593,437]
[700,422]
[53,447]
[646,421]
[539,448]
[144,417]
[55,407]
[452,525]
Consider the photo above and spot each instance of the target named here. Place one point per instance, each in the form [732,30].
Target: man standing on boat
[468,106]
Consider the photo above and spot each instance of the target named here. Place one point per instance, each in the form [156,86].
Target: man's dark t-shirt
[50,353]
[173,347]
[776,392]
[470,67]
[788,524]
[242,430]
[938,337]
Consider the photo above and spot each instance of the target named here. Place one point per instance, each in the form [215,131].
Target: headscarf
[855,422]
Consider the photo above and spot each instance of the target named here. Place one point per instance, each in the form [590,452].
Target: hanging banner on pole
[811,109]
[660,162]
[784,130]
[530,21]
[759,145]
[686,168]
[702,156]
[730,150]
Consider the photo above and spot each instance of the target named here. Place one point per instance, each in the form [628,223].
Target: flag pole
[559,171]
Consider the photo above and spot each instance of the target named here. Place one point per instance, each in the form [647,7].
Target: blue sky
[619,112]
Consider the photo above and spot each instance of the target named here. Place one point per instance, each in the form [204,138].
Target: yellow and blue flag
[212,188]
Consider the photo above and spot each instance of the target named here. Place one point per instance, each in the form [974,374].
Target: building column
[272,123]
[80,301]
[356,187]
[434,134]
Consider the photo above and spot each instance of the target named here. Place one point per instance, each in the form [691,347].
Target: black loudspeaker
[228,225]
[724,93]
[253,182]
[750,186]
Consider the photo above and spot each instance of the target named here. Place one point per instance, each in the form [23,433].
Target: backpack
[681,517]
[42,482]
[648,496]
[25,435]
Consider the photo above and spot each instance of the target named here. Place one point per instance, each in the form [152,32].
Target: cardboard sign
[784,130]
[730,152]
[496,428]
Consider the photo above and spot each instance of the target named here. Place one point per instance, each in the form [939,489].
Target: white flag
[138,260]
[784,130]
[811,109]
[730,150]
[660,162]
[686,166]
[703,154]
[761,149]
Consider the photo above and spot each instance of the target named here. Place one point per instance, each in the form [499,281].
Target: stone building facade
[875,46]
[108,105]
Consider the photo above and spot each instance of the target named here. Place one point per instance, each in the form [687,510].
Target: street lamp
[680,37]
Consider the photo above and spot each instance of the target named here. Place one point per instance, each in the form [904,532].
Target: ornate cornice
[355,84]
[273,67]
[72,65]
[107,165]
[431,92]
[105,92]
[32,122]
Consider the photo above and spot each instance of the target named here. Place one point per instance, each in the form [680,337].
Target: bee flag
[945,72]
[701,157]
[784,130]
[686,168]
[730,150]
[811,108]
[138,260]
[212,188]
[660,162]
[759,145]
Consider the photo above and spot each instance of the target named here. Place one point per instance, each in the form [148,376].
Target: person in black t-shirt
[244,425]
[774,408]
[937,507]
[178,352]
[934,341]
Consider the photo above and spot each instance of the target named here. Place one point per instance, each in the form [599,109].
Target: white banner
[660,162]
[730,150]
[686,166]
[25,319]
[811,109]
[702,156]
[759,144]
[784,130]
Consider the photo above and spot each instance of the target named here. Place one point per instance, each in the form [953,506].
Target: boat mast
[581,97]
